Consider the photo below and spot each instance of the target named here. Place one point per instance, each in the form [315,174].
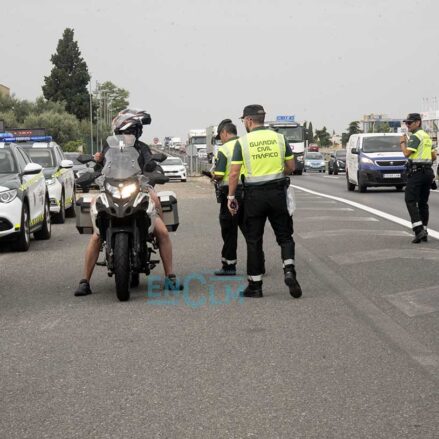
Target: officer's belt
[275,184]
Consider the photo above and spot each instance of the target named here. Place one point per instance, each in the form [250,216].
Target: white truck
[197,137]
[212,144]
[176,143]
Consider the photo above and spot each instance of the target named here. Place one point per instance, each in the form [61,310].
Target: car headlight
[122,191]
[366,160]
[307,163]
[50,181]
[8,196]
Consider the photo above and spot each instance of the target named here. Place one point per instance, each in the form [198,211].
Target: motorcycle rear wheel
[122,266]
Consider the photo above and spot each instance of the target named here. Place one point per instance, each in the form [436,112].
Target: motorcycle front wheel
[122,266]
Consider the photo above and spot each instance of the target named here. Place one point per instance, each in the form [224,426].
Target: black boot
[434,185]
[254,289]
[420,236]
[172,283]
[83,288]
[291,281]
[226,270]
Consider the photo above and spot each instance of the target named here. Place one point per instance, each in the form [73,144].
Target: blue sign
[28,139]
[285,118]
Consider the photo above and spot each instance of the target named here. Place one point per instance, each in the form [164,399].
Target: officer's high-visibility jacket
[263,153]
[421,145]
[224,161]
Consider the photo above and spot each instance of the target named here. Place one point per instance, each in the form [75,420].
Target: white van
[374,160]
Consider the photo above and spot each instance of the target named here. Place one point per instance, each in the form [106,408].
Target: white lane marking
[317,201]
[343,232]
[338,218]
[387,216]
[416,302]
[331,176]
[340,209]
[385,254]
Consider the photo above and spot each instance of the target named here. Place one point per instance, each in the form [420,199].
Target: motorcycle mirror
[159,157]
[146,119]
[85,158]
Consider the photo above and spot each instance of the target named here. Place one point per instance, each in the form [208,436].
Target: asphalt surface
[356,357]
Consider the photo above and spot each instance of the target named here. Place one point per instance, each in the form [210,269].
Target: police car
[24,200]
[58,172]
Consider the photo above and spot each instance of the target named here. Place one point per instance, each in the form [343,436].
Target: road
[356,357]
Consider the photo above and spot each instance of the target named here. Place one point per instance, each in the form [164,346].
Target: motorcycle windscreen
[121,159]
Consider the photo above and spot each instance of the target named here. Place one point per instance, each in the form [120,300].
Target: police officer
[420,156]
[229,223]
[266,158]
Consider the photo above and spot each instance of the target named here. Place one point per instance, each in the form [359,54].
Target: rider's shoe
[172,283]
[83,288]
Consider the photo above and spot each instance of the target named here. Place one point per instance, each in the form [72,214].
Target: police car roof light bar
[27,139]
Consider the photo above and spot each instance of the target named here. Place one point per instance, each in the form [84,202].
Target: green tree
[69,77]
[8,117]
[354,128]
[19,108]
[114,98]
[74,146]
[63,127]
[323,137]
[310,134]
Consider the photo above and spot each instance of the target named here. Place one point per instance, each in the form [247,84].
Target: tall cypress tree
[310,133]
[69,77]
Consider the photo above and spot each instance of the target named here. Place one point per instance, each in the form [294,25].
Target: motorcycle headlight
[366,160]
[121,191]
[8,196]
[50,181]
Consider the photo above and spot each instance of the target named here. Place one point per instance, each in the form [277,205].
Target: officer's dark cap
[253,110]
[413,117]
[221,126]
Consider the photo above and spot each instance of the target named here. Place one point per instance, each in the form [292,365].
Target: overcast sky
[193,63]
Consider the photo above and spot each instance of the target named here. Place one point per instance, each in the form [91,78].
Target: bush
[74,146]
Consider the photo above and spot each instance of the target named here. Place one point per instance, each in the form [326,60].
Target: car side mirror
[66,164]
[354,151]
[32,168]
[159,157]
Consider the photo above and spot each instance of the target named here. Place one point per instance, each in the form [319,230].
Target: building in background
[430,123]
[378,123]
[4,91]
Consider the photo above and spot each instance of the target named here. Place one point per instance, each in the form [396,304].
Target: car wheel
[23,241]
[60,217]
[184,180]
[46,229]
[329,171]
[335,172]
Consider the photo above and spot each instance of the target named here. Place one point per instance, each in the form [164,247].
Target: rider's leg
[91,255]
[165,245]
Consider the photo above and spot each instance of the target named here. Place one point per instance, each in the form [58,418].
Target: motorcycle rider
[130,122]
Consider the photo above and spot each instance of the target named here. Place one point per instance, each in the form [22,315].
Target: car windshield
[293,134]
[198,140]
[314,156]
[172,161]
[121,159]
[43,156]
[341,154]
[7,162]
[381,144]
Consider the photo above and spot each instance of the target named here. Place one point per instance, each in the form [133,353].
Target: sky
[193,63]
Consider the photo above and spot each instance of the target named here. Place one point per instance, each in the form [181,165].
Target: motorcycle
[125,214]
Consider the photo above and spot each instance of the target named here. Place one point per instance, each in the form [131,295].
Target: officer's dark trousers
[262,202]
[417,192]
[229,231]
